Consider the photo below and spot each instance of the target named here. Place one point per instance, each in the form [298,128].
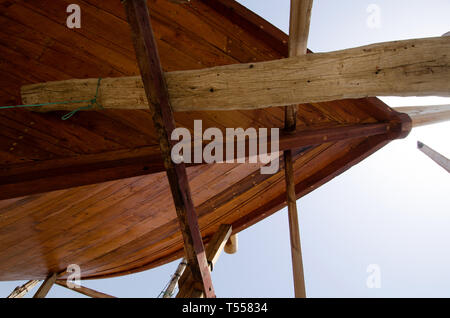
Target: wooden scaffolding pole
[441,160]
[175,278]
[426,115]
[46,286]
[298,38]
[85,291]
[158,99]
[213,250]
[21,291]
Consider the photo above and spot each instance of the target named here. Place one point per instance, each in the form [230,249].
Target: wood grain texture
[426,115]
[84,290]
[159,104]
[129,225]
[373,70]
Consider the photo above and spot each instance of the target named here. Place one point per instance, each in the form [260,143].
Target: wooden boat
[92,190]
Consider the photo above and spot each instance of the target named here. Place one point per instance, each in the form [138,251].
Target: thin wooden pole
[157,95]
[213,251]
[426,115]
[300,18]
[46,286]
[21,291]
[232,244]
[441,160]
[85,291]
[175,278]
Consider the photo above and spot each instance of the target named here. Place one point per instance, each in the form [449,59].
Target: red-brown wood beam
[159,104]
[38,177]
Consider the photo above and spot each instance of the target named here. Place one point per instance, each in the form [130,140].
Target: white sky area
[391,210]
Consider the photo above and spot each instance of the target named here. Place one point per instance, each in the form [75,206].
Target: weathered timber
[213,251]
[440,159]
[426,115]
[156,93]
[46,286]
[373,70]
[21,291]
[175,278]
[232,244]
[300,18]
[84,290]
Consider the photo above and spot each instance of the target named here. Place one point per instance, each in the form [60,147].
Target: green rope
[91,104]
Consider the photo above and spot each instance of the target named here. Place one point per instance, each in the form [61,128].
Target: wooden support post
[21,291]
[441,160]
[46,286]
[158,99]
[175,278]
[85,291]
[213,250]
[298,38]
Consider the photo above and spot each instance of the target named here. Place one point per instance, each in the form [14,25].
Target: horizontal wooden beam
[38,177]
[84,290]
[373,70]
[426,115]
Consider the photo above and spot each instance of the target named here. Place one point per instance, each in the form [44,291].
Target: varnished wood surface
[128,225]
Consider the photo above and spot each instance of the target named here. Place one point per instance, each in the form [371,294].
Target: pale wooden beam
[426,115]
[300,19]
[175,278]
[373,70]
[232,244]
[213,251]
[84,290]
[46,286]
[156,94]
[441,160]
[21,291]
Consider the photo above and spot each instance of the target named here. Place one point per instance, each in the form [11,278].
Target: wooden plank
[353,73]
[213,251]
[300,18]
[38,177]
[84,290]
[156,93]
[21,291]
[46,286]
[426,115]
[175,278]
[440,159]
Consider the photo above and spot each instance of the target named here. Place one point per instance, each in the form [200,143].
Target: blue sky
[391,210]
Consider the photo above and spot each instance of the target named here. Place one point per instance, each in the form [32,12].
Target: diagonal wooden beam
[46,286]
[21,291]
[300,18]
[213,251]
[84,290]
[157,95]
[372,70]
[440,159]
